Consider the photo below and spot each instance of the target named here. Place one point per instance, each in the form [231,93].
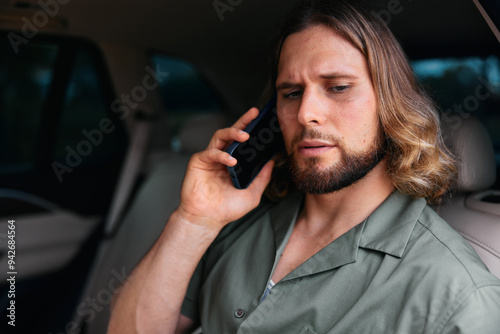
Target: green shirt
[402,270]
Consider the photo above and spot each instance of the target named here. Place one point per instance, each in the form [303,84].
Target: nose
[312,110]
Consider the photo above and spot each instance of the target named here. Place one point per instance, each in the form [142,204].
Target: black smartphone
[252,155]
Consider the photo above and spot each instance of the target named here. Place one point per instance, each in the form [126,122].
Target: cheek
[371,122]
[287,128]
[361,122]
[287,115]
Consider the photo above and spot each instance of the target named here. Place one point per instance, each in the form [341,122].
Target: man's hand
[151,300]
[208,196]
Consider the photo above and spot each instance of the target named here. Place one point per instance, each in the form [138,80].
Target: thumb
[261,181]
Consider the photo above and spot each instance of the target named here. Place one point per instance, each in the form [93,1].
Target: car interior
[103,102]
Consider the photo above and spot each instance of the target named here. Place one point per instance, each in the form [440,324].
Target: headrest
[197,131]
[472,145]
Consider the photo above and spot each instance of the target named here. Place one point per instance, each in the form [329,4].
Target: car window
[24,83]
[185,93]
[463,87]
[84,108]
[57,130]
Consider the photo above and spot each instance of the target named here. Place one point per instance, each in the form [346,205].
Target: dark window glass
[25,79]
[84,113]
[55,101]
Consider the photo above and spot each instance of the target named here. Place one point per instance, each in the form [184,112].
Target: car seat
[473,208]
[143,222]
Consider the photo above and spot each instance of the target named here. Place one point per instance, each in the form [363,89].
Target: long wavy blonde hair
[419,163]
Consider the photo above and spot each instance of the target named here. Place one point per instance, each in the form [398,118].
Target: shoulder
[462,290]
[447,247]
[478,312]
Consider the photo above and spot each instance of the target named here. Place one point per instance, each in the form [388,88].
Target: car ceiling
[234,49]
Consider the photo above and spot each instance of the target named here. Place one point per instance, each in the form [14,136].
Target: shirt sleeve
[478,313]
[189,306]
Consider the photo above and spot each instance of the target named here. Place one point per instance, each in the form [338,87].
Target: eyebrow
[338,75]
[286,85]
[328,76]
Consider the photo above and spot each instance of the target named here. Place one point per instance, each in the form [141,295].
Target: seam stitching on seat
[479,242]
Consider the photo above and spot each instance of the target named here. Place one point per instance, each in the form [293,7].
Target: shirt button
[239,313]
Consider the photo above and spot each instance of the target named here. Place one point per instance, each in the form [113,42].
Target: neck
[331,215]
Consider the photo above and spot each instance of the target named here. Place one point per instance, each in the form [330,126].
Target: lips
[314,147]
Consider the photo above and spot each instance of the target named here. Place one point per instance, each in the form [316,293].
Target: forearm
[151,299]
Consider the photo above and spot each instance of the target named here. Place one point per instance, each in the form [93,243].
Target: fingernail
[241,132]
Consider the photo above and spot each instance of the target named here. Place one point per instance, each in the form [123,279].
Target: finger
[246,118]
[213,157]
[223,136]
[261,181]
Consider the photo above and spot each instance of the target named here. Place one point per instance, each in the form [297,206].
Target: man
[355,249]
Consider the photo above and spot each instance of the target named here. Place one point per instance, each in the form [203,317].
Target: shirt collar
[387,229]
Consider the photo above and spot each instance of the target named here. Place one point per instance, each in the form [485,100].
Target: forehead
[319,49]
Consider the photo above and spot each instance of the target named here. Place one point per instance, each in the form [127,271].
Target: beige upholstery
[152,206]
[196,133]
[471,209]
[471,142]
[157,197]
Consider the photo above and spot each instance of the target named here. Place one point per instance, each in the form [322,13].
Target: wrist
[194,226]
[206,224]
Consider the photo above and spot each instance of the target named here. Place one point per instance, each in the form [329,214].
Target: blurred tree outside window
[462,87]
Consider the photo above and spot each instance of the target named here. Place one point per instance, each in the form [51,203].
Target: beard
[352,166]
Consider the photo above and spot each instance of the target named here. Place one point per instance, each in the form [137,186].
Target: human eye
[293,95]
[339,88]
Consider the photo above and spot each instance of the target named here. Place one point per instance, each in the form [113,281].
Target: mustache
[311,134]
